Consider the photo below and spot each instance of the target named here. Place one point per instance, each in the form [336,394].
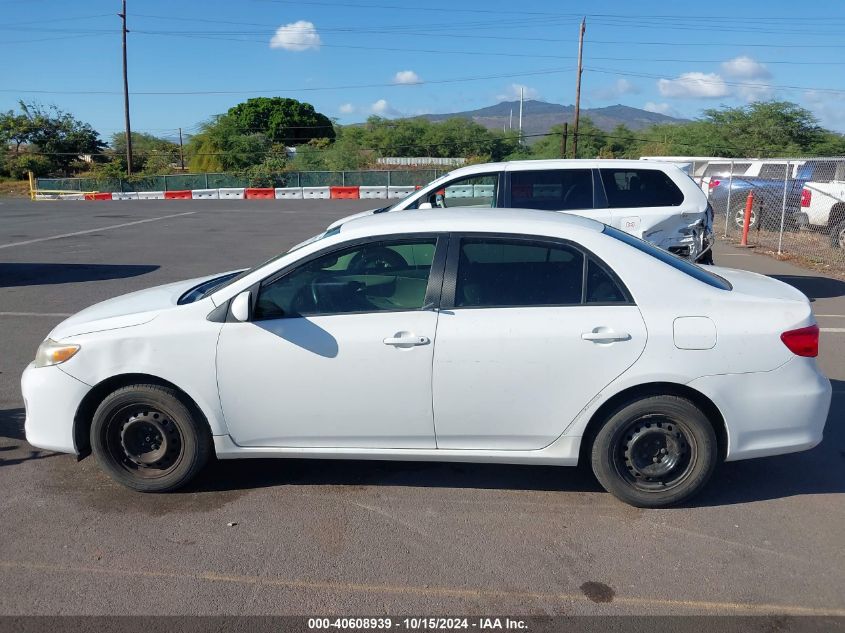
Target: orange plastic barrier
[345,193]
[98,196]
[184,194]
[260,193]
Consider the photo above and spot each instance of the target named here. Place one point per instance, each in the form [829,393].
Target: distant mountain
[539,116]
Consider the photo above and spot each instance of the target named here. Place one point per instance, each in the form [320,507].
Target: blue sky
[394,57]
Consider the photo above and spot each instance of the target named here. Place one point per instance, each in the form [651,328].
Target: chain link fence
[179,182]
[796,206]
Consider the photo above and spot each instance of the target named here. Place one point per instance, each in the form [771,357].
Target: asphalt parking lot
[368,537]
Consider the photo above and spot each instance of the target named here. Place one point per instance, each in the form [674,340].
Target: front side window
[552,190]
[385,275]
[632,188]
[501,272]
[471,191]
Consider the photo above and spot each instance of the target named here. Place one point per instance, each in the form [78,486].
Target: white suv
[655,201]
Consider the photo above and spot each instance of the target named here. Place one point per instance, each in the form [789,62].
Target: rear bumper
[771,413]
[51,398]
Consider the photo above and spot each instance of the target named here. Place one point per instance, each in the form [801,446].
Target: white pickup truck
[823,199]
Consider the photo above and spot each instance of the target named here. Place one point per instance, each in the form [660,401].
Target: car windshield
[227,280]
[684,265]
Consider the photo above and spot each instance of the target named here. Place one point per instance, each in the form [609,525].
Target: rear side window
[552,190]
[498,272]
[685,266]
[630,188]
[773,171]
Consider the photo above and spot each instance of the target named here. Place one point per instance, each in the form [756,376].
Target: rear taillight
[714,183]
[806,197]
[803,341]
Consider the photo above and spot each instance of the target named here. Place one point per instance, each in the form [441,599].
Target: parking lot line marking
[36,314]
[831,316]
[442,592]
[102,228]
[832,330]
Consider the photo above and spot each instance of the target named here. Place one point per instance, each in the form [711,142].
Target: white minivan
[651,200]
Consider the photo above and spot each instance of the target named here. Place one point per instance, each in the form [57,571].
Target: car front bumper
[771,413]
[51,398]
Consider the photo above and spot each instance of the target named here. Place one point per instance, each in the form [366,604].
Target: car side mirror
[242,306]
[424,205]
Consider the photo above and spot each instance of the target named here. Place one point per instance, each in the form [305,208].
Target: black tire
[148,438]
[655,452]
[837,235]
[707,258]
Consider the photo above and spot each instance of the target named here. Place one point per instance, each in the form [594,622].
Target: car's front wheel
[655,452]
[147,438]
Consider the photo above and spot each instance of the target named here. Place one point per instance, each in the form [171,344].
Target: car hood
[354,216]
[126,310]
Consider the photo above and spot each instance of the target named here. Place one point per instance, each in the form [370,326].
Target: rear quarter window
[631,188]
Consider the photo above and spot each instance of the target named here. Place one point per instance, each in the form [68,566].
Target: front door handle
[406,339]
[605,335]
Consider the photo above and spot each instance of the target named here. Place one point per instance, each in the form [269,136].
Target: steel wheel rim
[654,453]
[739,218]
[841,238]
[144,440]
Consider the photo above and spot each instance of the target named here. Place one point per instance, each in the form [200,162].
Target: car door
[338,351]
[569,190]
[530,331]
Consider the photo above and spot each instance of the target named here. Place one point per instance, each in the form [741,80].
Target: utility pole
[578,87]
[563,139]
[181,155]
[521,98]
[126,97]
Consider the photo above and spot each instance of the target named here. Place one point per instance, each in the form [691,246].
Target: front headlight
[52,353]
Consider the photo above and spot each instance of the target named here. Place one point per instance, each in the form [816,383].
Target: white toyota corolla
[511,336]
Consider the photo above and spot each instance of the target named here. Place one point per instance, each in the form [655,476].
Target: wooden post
[578,87]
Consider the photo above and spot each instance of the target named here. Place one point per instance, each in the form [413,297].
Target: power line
[549,71]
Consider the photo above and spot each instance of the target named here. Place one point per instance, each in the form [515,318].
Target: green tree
[60,137]
[151,155]
[281,120]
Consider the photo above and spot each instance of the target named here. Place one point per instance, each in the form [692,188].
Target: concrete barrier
[400,192]
[312,193]
[150,195]
[288,193]
[230,193]
[60,196]
[370,192]
[125,195]
[482,191]
[204,194]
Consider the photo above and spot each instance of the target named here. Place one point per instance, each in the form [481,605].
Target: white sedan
[511,336]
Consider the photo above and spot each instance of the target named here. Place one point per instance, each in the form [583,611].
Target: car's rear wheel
[739,218]
[147,438]
[655,452]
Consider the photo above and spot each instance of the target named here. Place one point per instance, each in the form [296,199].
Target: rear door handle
[404,339]
[605,336]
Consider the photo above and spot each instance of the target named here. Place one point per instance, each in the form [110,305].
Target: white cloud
[617,89]
[296,36]
[512,93]
[406,77]
[752,75]
[346,108]
[660,108]
[694,85]
[744,67]
[383,108]
[827,107]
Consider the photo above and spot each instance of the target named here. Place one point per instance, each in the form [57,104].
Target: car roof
[561,163]
[469,219]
